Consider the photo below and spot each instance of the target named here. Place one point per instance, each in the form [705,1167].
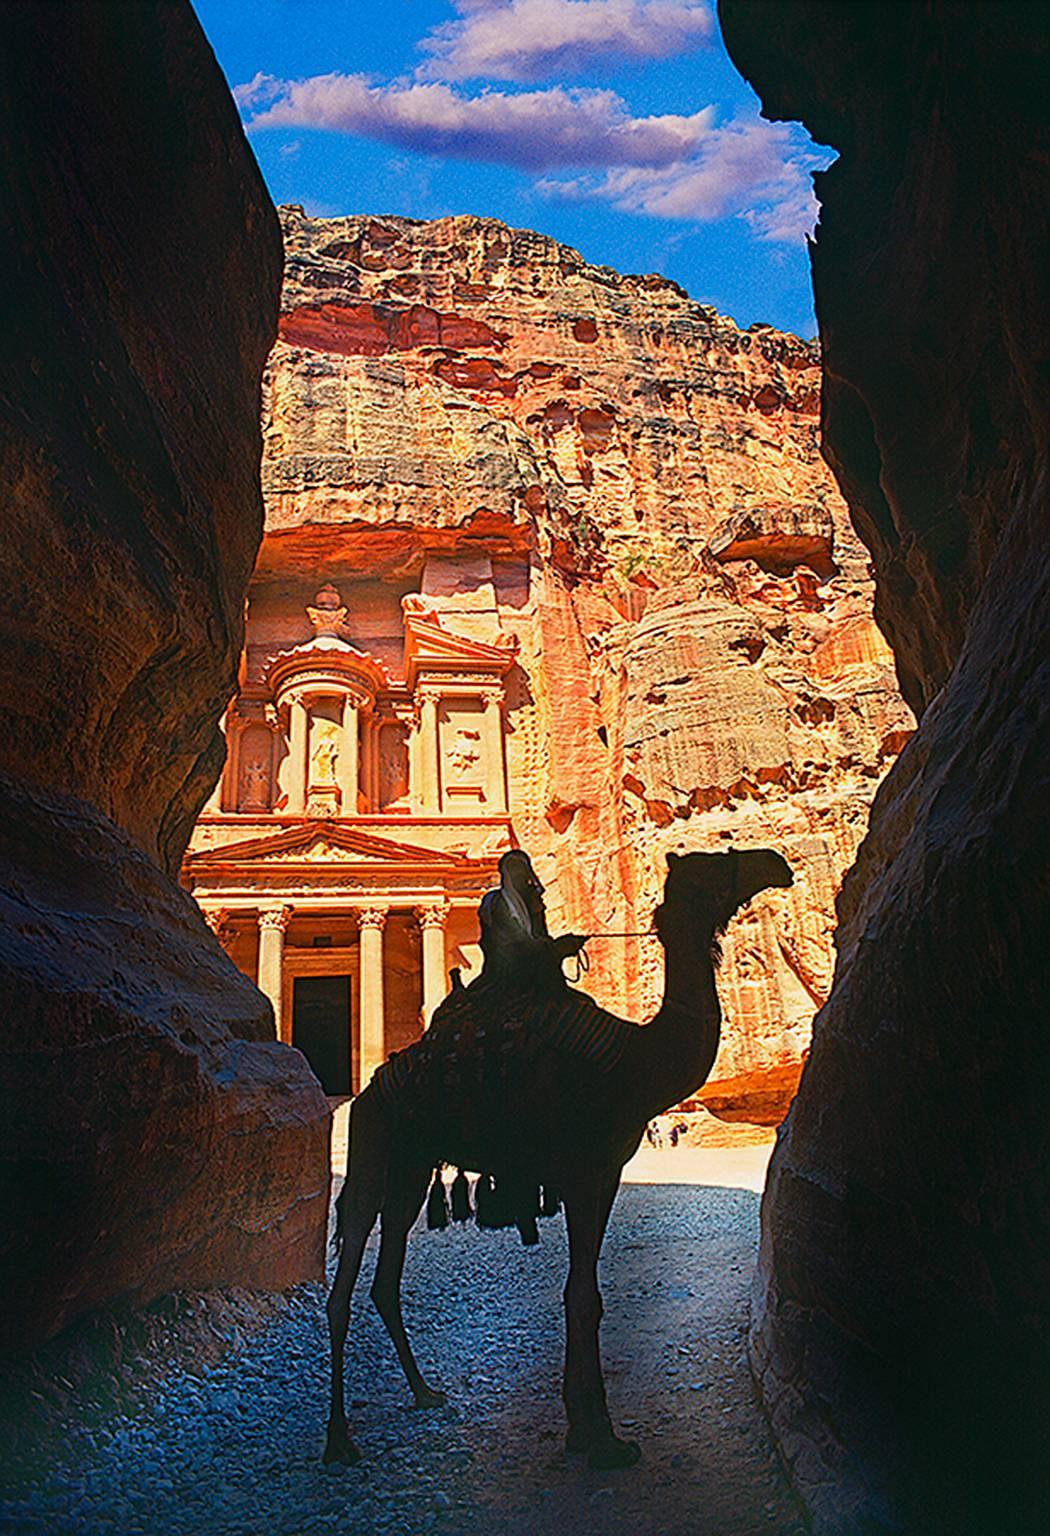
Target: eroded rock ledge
[152,1133]
[901,1325]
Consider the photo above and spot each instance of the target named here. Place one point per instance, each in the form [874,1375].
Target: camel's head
[711,887]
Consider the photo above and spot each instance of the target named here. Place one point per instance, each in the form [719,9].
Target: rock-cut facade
[551,560]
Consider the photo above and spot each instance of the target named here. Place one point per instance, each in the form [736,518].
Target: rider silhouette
[519,953]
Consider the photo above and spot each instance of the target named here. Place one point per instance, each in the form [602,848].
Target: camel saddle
[481,1035]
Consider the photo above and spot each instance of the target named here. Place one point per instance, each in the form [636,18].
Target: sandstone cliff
[152,1133]
[901,1320]
[641,484]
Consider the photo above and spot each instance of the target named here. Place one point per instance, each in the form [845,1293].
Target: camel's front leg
[358,1205]
[405,1194]
[583,1390]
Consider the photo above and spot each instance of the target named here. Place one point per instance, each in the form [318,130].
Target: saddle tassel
[437,1204]
[461,1198]
[484,1201]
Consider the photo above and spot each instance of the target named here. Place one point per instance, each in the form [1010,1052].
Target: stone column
[492,739]
[366,725]
[218,920]
[373,1044]
[349,756]
[373,764]
[298,743]
[272,924]
[427,755]
[432,920]
[414,774]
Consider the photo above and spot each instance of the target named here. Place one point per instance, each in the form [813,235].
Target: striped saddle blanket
[480,1034]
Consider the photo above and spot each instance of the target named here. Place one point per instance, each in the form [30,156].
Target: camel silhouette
[554,1120]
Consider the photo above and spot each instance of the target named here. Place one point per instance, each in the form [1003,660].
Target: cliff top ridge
[478,244]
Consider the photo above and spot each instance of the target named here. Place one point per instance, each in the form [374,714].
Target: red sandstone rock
[152,1133]
[901,1315]
[698,660]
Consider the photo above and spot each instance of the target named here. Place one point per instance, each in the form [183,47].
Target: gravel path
[235,1449]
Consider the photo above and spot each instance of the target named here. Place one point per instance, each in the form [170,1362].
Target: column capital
[372,917]
[275,917]
[434,915]
[429,693]
[491,695]
[218,920]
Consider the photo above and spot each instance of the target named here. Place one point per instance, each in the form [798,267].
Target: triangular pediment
[430,646]
[434,641]
[323,842]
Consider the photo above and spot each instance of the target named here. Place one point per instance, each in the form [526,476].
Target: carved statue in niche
[465,753]
[255,786]
[253,790]
[393,765]
[322,798]
[323,762]
[328,614]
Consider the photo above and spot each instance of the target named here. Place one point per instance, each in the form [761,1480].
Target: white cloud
[528,40]
[684,169]
[256,92]
[534,130]
[750,169]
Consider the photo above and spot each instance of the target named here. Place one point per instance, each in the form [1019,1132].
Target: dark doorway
[321,1028]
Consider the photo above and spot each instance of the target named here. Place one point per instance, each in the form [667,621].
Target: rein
[583,963]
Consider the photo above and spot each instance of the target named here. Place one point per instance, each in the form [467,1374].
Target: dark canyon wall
[152,1132]
[901,1334]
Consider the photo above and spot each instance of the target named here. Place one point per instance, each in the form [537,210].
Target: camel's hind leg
[406,1190]
[358,1205]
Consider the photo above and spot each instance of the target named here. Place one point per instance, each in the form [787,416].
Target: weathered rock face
[152,1133]
[641,486]
[901,1326]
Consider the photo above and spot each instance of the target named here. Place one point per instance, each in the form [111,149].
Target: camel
[561,1124]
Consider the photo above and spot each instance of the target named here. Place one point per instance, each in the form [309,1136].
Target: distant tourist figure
[520,954]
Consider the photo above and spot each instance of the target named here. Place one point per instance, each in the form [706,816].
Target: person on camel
[519,953]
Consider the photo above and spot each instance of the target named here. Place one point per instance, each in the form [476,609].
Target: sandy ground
[730,1167]
[233,1449]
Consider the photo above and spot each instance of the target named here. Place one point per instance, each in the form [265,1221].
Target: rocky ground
[173,1446]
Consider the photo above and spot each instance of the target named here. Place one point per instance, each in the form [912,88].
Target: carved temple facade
[361,813]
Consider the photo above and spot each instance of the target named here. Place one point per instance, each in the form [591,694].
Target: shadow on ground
[234,1449]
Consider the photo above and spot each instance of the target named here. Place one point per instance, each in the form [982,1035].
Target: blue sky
[618,126]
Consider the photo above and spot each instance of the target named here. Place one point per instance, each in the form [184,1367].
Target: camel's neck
[686,1029]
